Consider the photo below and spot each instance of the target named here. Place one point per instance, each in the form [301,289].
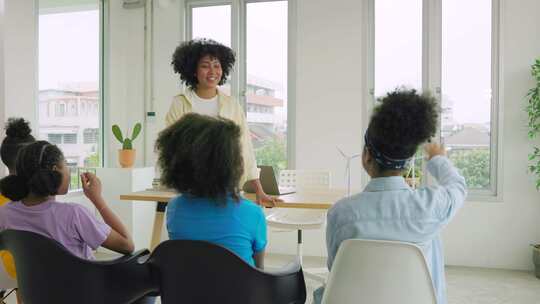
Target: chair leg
[19,300]
[299,251]
[317,276]
[308,271]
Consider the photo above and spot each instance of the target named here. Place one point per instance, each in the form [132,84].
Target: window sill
[483,197]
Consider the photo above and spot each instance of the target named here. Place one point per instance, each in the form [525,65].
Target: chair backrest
[48,273]
[6,281]
[201,272]
[379,272]
[304,179]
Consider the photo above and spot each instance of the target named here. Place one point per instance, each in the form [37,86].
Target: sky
[266,36]
[266,40]
[466,53]
[68,48]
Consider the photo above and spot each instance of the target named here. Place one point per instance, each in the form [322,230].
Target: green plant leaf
[533,122]
[127,144]
[136,131]
[117,133]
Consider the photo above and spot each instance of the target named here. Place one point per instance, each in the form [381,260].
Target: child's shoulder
[345,205]
[248,203]
[70,207]
[248,206]
[348,200]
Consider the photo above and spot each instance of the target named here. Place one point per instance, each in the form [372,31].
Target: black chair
[48,273]
[200,272]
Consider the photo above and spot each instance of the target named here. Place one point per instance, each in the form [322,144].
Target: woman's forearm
[257,186]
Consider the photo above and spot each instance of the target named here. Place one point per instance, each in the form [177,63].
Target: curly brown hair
[201,155]
[187,56]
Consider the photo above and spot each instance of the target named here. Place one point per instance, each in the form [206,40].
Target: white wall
[124,104]
[328,86]
[18,60]
[168,32]
[2,66]
[328,100]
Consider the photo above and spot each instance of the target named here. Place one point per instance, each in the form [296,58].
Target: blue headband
[383,160]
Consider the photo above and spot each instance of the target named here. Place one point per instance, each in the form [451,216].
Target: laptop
[269,183]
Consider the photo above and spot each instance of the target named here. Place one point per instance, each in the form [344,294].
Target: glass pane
[398,45]
[398,57]
[266,87]
[466,87]
[213,22]
[69,74]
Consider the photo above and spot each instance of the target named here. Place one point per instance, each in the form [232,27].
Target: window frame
[103,12]
[238,77]
[432,81]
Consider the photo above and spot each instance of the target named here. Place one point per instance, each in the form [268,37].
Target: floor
[466,285]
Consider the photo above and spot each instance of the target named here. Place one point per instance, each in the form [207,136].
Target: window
[398,26]
[70,71]
[459,65]
[466,88]
[60,110]
[90,136]
[73,111]
[260,40]
[59,139]
[54,138]
[266,71]
[213,22]
[70,138]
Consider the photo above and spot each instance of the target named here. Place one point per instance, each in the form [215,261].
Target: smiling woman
[203,64]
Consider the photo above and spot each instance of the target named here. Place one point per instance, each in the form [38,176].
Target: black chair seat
[48,273]
[201,272]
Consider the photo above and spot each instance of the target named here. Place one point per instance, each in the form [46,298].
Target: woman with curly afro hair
[203,65]
[388,208]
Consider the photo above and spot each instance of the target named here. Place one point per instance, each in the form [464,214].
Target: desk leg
[158,224]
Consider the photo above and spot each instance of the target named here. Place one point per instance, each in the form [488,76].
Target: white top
[205,106]
[227,108]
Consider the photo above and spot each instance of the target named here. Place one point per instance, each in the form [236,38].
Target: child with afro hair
[388,208]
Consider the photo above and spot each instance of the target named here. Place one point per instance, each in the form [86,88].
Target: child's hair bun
[403,120]
[18,128]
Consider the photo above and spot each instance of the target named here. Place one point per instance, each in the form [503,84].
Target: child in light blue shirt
[388,208]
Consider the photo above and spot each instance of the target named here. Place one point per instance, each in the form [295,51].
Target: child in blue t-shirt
[201,158]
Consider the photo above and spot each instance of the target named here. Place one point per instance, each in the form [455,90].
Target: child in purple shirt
[41,174]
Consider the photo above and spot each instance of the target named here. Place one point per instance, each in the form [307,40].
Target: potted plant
[126,155]
[533,111]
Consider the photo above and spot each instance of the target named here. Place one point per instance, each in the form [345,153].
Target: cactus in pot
[126,155]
